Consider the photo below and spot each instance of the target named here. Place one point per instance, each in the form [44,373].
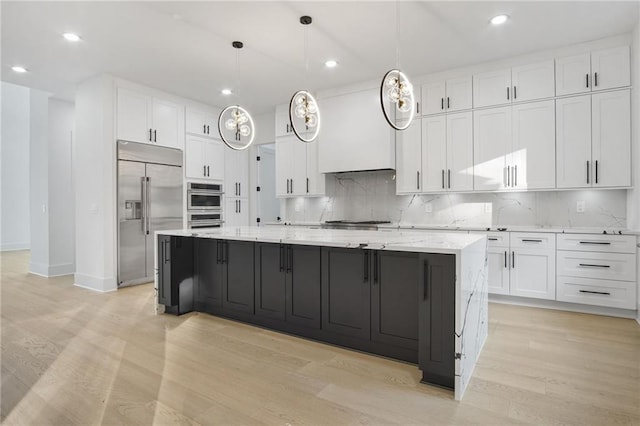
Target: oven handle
[203,192]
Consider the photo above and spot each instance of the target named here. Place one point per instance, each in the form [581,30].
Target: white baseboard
[563,306]
[99,284]
[14,246]
[49,271]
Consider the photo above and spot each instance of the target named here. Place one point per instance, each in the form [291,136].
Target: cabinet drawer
[606,266]
[498,239]
[599,243]
[542,241]
[613,294]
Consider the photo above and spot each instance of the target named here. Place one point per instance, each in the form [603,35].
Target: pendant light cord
[238,75]
[397,34]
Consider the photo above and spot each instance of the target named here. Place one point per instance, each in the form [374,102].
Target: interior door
[165,204]
[131,251]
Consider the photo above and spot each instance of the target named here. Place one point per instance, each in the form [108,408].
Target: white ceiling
[185,47]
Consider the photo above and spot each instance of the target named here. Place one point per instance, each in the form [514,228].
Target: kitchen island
[413,296]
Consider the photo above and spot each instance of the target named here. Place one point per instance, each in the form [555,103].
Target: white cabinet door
[573,142]
[459,94]
[236,212]
[167,130]
[195,167]
[492,88]
[284,165]
[491,139]
[316,179]
[573,74]
[610,68]
[236,175]
[498,270]
[408,158]
[133,115]
[195,122]
[460,151]
[433,95]
[534,146]
[299,161]
[533,81]
[611,138]
[434,155]
[533,273]
[283,125]
[215,159]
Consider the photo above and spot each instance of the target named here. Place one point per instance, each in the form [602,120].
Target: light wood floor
[72,356]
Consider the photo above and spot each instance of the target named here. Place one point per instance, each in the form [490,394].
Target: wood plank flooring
[72,356]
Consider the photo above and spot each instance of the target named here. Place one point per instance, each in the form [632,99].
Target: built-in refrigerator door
[131,225]
[164,205]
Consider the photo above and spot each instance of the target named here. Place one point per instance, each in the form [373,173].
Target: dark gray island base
[396,304]
[416,297]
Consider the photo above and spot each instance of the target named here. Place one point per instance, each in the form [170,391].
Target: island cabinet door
[270,280]
[436,293]
[394,304]
[237,276]
[175,273]
[303,285]
[207,265]
[346,292]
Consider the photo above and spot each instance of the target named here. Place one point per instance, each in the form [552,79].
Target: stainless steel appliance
[367,225]
[204,205]
[204,196]
[150,192]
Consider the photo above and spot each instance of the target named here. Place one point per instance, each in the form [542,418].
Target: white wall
[60,188]
[14,154]
[38,182]
[94,154]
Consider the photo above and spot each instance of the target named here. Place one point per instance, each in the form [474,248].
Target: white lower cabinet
[597,270]
[236,212]
[522,264]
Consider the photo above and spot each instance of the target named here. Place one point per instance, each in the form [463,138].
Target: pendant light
[235,124]
[396,91]
[304,114]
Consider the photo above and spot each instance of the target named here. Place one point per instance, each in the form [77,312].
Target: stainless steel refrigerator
[149,199]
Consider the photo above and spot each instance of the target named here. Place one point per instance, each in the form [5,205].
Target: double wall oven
[204,205]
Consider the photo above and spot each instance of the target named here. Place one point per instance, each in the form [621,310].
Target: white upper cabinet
[533,81]
[284,165]
[491,142]
[204,158]
[297,172]
[236,173]
[143,118]
[492,88]
[202,123]
[594,140]
[532,155]
[460,151]
[315,180]
[573,142]
[355,136]
[598,70]
[283,124]
[573,74]
[434,154]
[446,96]
[610,68]
[611,139]
[409,156]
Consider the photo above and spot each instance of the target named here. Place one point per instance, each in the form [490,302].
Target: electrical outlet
[428,208]
[580,207]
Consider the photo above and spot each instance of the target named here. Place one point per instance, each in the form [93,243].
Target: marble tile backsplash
[372,196]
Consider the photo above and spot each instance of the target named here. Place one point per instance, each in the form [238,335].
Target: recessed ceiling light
[19,69]
[71,37]
[226,92]
[331,63]
[499,19]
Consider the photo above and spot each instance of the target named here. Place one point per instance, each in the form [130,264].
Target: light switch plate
[580,207]
[428,208]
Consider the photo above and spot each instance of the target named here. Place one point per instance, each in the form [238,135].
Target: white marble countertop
[387,239]
[550,229]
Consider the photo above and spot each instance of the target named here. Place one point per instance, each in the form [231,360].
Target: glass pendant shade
[397,100]
[236,127]
[304,116]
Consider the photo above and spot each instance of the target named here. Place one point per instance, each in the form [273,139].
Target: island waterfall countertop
[387,239]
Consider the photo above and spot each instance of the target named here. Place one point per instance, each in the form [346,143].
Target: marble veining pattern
[371,196]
